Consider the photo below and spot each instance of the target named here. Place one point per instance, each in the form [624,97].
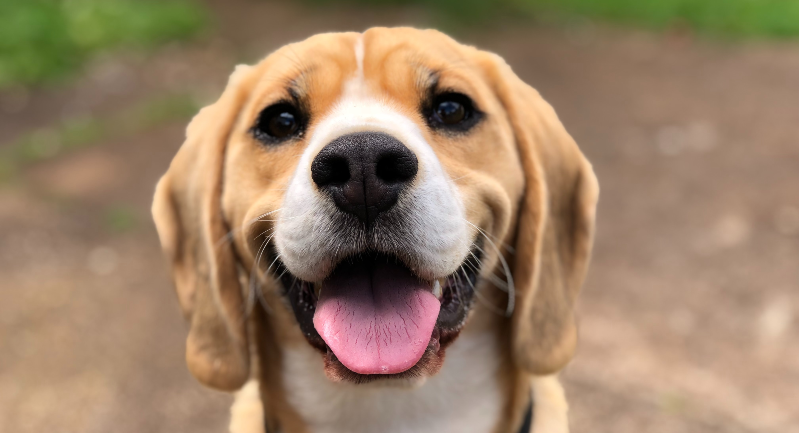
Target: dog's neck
[466,395]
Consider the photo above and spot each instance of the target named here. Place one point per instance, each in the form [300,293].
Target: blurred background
[688,109]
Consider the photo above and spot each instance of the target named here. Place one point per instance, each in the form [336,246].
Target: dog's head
[377,184]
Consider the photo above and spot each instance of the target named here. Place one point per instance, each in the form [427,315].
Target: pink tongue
[377,318]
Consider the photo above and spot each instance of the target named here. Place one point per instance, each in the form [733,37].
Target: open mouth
[373,317]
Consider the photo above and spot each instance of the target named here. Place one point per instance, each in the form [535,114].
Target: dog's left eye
[277,123]
[452,111]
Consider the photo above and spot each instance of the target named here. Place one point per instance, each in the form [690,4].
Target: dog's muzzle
[378,268]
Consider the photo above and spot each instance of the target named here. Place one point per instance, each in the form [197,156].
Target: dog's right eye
[453,112]
[278,123]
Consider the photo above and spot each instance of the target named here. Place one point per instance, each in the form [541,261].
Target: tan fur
[551,409]
[555,230]
[247,412]
[521,177]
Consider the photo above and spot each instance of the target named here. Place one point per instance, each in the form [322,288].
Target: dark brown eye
[277,123]
[453,111]
[281,124]
[450,112]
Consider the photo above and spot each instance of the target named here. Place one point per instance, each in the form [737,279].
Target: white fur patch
[356,86]
[463,397]
[359,57]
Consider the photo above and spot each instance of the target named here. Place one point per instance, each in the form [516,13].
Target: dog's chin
[455,294]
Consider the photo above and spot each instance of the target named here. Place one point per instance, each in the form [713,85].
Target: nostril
[396,168]
[330,170]
[339,171]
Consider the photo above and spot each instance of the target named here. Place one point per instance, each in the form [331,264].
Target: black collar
[527,424]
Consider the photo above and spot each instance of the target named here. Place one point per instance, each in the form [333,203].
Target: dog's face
[375,184]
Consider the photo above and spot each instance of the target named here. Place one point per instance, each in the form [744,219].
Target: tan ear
[188,215]
[555,228]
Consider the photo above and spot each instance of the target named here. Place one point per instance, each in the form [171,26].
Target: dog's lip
[436,287]
[436,283]
[423,274]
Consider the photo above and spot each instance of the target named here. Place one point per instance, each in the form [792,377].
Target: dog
[380,232]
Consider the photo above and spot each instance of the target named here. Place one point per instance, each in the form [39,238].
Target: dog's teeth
[437,292]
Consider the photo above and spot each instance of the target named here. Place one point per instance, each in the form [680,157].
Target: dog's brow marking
[359,57]
[356,86]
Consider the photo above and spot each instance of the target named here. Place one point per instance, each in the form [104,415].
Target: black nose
[364,172]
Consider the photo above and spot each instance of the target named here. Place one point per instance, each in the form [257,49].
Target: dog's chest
[463,396]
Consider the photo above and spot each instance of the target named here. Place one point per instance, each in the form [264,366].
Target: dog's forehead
[397,63]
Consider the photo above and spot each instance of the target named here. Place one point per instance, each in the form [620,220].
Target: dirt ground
[688,316]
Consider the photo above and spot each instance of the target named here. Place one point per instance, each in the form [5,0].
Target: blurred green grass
[120,218]
[716,18]
[44,40]
[730,18]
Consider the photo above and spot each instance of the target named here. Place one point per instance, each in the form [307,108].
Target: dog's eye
[277,123]
[452,111]
[281,125]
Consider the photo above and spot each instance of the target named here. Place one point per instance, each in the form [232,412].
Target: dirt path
[688,318]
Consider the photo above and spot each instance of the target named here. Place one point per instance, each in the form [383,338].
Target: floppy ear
[188,215]
[555,226]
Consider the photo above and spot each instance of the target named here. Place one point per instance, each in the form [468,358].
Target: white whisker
[510,286]
[493,279]
[254,277]
[265,232]
[229,235]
